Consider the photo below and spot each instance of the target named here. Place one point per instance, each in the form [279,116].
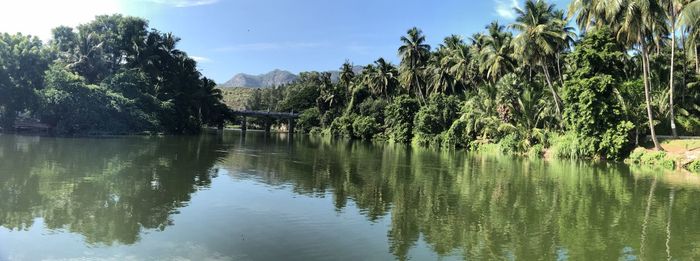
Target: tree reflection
[488,207]
[108,189]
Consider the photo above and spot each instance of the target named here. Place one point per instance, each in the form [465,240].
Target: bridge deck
[271,114]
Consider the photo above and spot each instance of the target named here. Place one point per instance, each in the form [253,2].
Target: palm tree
[384,78]
[497,52]
[673,8]
[414,54]
[540,35]
[590,13]
[347,75]
[641,20]
[690,18]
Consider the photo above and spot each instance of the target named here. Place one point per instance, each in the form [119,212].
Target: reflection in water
[452,204]
[488,207]
[104,189]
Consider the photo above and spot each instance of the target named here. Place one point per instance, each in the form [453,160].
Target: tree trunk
[685,65]
[561,77]
[670,92]
[650,116]
[554,93]
[697,60]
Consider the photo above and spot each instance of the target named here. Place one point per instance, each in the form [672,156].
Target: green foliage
[458,135]
[309,119]
[615,143]
[592,105]
[536,151]
[654,158]
[572,146]
[342,126]
[437,115]
[399,117]
[365,127]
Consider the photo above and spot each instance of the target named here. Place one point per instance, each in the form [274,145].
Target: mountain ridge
[273,78]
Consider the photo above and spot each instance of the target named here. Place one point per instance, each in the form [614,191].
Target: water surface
[274,197]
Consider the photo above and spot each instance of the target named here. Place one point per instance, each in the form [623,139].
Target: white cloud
[200,59]
[504,8]
[38,17]
[185,3]
[268,46]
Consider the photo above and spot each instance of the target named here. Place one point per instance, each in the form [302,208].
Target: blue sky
[256,36]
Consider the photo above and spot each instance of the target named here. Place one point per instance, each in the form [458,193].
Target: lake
[276,197]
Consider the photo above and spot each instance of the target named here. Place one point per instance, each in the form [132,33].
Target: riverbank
[682,153]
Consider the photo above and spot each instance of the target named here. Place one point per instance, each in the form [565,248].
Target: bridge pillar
[290,125]
[244,124]
[268,124]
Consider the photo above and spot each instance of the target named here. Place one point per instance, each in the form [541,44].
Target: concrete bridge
[289,116]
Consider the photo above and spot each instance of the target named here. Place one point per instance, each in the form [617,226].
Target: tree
[497,52]
[384,78]
[23,60]
[640,22]
[414,54]
[539,39]
[346,77]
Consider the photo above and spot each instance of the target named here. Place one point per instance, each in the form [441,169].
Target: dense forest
[111,75]
[590,82]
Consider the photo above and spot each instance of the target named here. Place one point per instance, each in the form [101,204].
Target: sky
[256,36]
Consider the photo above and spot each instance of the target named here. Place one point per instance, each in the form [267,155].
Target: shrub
[616,142]
[365,127]
[655,158]
[308,119]
[342,126]
[536,151]
[573,146]
[510,144]
[399,118]
[457,136]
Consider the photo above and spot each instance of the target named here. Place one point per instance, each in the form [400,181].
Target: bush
[616,142]
[654,158]
[510,144]
[365,127]
[536,151]
[457,136]
[308,119]
[573,146]
[342,126]
[399,118]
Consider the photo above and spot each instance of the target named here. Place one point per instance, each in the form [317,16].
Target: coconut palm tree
[414,54]
[539,39]
[384,78]
[497,52]
[347,75]
[640,22]
[673,8]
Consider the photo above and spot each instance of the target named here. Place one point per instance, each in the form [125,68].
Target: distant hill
[274,78]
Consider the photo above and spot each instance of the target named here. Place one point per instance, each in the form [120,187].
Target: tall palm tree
[640,22]
[590,13]
[673,7]
[347,75]
[690,18]
[539,37]
[384,78]
[414,54]
[497,52]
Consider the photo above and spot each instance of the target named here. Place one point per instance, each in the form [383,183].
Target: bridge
[289,116]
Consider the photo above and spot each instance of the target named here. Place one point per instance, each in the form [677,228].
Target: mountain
[273,78]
